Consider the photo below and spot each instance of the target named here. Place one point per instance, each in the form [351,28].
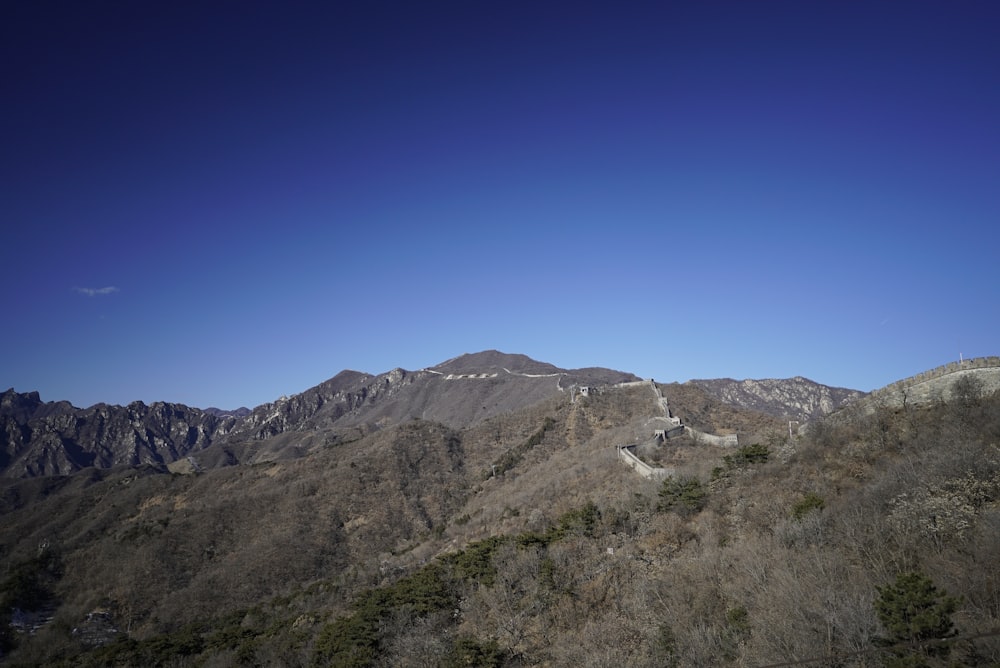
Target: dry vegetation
[701,411]
[404,549]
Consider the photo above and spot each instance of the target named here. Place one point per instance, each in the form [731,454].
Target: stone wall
[642,468]
[726,441]
[935,384]
[633,383]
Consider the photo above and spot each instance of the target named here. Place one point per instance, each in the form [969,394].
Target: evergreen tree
[915,612]
[686,495]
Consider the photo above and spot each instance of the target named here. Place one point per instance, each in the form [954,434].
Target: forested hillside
[522,541]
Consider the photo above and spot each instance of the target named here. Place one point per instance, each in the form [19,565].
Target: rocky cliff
[54,438]
[791,398]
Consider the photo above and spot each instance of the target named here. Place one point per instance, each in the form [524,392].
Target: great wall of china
[626,455]
[936,384]
[926,387]
[666,427]
[930,386]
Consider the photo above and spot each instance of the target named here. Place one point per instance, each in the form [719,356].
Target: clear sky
[217,203]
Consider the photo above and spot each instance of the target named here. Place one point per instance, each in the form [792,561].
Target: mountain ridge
[273,551]
[56,438]
[796,398]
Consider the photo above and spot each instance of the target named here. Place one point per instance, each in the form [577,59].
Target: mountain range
[480,512]
[55,438]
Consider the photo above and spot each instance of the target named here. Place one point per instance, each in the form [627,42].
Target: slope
[408,547]
[39,438]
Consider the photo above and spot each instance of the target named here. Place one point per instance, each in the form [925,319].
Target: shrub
[475,562]
[748,454]
[665,647]
[470,651]
[582,520]
[736,631]
[806,505]
[354,640]
[25,585]
[686,495]
[348,641]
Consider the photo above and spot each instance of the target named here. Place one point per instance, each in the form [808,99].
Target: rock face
[55,438]
[792,398]
[240,412]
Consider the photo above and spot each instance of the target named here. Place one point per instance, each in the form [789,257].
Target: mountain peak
[495,360]
[19,404]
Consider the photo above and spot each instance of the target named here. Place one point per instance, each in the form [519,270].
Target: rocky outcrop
[240,412]
[320,407]
[792,398]
[56,438]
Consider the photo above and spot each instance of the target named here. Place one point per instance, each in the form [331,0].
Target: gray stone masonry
[936,384]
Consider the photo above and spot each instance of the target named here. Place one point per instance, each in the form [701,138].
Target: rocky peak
[492,360]
[56,438]
[22,406]
[17,404]
[321,406]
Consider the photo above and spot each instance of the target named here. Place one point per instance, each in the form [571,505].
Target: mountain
[55,438]
[338,527]
[39,438]
[240,412]
[795,398]
[459,392]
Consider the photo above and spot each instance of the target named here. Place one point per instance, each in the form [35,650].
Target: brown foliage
[249,563]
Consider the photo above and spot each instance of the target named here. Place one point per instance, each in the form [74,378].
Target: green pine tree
[915,612]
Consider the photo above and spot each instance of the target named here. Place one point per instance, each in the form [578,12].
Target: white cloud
[93,292]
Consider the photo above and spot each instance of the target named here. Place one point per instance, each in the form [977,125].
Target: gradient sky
[218,203]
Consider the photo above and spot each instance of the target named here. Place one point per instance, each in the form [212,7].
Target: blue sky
[219,203]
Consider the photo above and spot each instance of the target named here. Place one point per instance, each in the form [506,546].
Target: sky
[218,203]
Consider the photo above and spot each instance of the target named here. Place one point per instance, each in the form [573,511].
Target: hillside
[792,398]
[56,438]
[39,438]
[512,539]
